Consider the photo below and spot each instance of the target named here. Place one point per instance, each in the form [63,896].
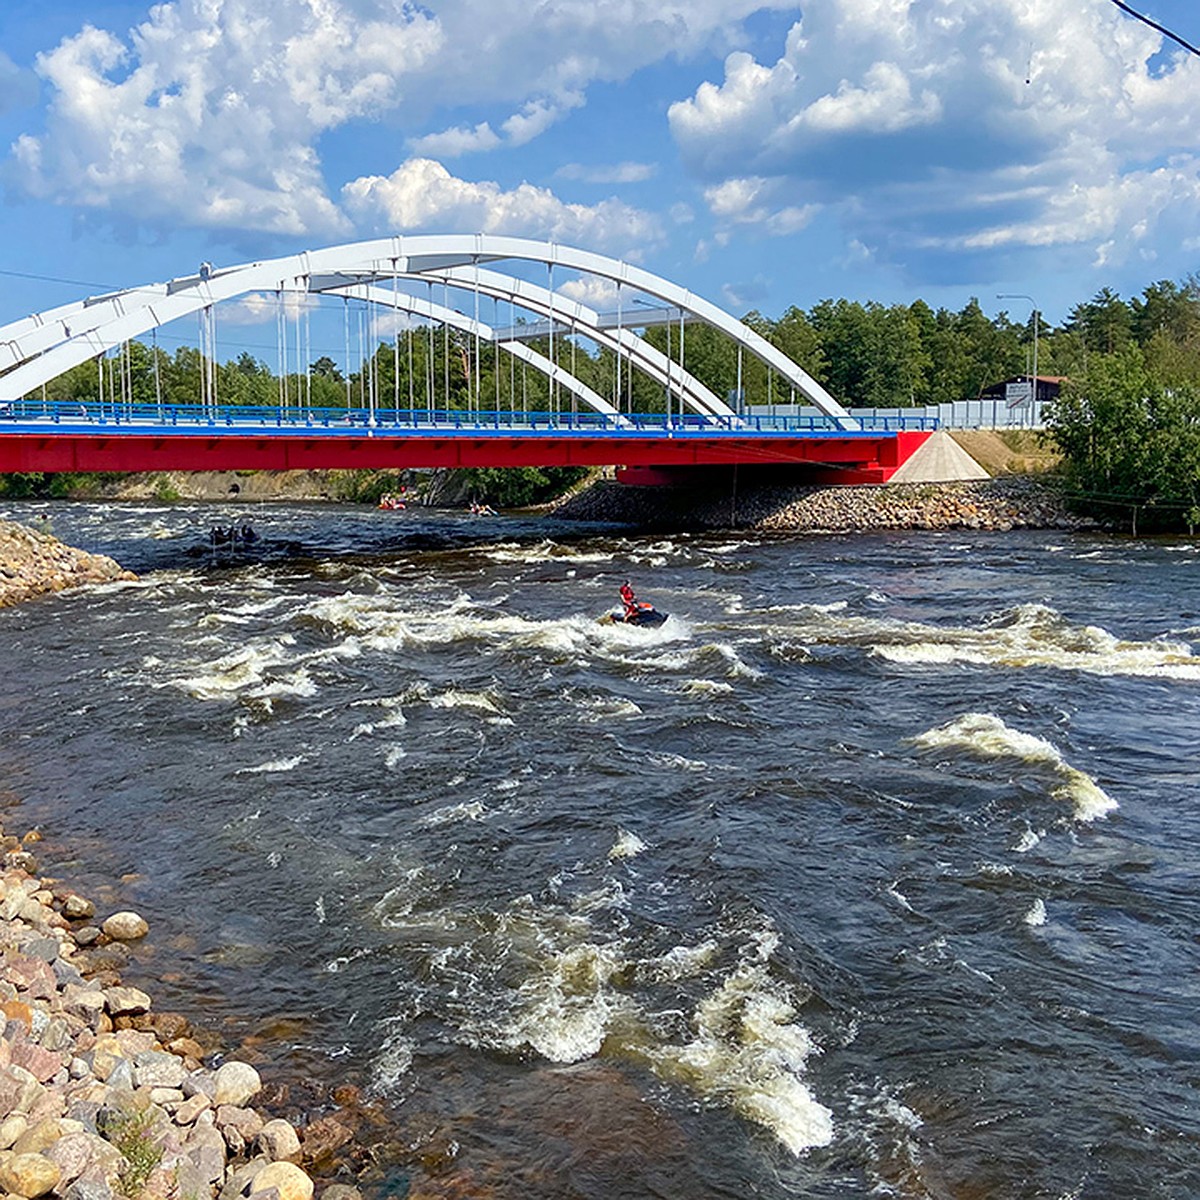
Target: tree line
[1127,420]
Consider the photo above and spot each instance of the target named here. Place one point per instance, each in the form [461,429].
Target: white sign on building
[1018,393]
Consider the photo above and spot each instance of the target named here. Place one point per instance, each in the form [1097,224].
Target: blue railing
[391,421]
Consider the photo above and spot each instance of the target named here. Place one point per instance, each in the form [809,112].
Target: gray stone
[242,1178]
[157,1069]
[86,935]
[65,973]
[236,1082]
[89,1187]
[205,1150]
[200,1083]
[341,1191]
[190,1182]
[191,1108]
[279,1142]
[126,1001]
[56,1035]
[44,948]
[77,908]
[121,1076]
[85,1112]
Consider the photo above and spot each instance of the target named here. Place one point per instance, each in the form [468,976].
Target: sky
[761,154]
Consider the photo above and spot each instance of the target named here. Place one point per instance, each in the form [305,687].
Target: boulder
[37,1139]
[191,1108]
[11,1129]
[29,1175]
[76,1153]
[125,927]
[341,1191]
[236,1082]
[43,1065]
[157,1069]
[126,1001]
[77,908]
[279,1142]
[286,1178]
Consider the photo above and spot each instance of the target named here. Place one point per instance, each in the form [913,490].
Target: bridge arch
[38,348]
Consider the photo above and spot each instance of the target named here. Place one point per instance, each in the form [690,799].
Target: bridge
[435,285]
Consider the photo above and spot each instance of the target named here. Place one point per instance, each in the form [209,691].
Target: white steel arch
[457,320]
[77,332]
[586,320]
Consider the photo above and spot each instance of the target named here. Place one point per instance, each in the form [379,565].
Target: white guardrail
[962,414]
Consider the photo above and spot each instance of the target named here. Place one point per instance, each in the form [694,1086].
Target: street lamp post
[1033,395]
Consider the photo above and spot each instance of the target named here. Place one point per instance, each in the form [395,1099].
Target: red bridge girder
[870,457]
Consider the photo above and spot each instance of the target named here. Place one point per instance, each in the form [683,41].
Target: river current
[872,872]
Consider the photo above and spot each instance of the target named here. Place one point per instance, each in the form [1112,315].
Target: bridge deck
[73,437]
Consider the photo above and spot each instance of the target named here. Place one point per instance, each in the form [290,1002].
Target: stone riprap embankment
[102,1097]
[33,564]
[999,504]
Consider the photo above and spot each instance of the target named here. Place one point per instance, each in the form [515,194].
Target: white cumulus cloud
[422,195]
[955,126]
[210,112]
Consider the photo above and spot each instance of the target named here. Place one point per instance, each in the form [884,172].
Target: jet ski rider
[629,600]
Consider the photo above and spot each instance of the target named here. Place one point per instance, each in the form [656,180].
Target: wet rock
[166,1027]
[323,1138]
[125,927]
[186,1047]
[341,1191]
[77,908]
[242,1178]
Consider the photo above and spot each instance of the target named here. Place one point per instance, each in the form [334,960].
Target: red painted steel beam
[127,452]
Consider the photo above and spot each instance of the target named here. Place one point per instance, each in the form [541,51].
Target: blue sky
[761,154]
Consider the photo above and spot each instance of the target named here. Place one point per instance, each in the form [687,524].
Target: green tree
[1131,443]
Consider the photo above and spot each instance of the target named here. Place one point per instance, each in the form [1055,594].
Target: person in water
[629,600]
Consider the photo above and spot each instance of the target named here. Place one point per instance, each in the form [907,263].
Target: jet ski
[643,614]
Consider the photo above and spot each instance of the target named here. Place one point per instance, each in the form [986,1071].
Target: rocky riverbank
[99,1095]
[1000,504]
[32,564]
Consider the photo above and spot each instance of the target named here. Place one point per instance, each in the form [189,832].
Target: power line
[55,279]
[1155,25]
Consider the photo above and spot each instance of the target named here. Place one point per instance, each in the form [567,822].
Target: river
[872,872]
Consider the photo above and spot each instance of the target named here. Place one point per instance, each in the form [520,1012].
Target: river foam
[567,982]
[985,736]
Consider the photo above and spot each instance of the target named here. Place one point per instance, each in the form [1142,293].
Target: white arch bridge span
[439,281]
